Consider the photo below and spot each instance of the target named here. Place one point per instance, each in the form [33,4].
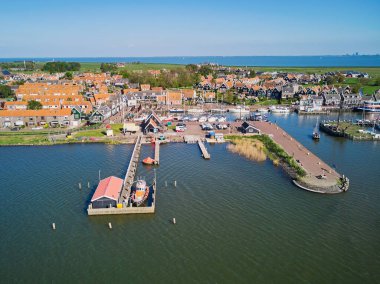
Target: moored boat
[279,109]
[370,106]
[238,109]
[176,110]
[140,192]
[149,161]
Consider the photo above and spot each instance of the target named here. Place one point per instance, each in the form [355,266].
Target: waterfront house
[310,103]
[32,118]
[152,124]
[107,193]
[331,99]
[351,100]
[248,128]
[189,94]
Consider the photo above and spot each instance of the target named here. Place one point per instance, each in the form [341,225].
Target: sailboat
[316,135]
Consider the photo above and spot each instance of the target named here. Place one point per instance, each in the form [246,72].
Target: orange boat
[148,161]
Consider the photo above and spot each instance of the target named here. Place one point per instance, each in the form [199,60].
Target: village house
[144,87]
[310,103]
[248,128]
[100,114]
[189,94]
[15,105]
[289,90]
[32,118]
[351,100]
[152,124]
[331,99]
[173,98]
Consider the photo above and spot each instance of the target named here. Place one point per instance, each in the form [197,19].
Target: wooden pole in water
[53,226]
[88,184]
[175,183]
[110,225]
[166,184]
[174,221]
[80,186]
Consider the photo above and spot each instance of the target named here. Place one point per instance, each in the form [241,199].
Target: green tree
[34,105]
[108,67]
[191,68]
[6,92]
[330,80]
[252,73]
[68,76]
[355,88]
[205,70]
[58,66]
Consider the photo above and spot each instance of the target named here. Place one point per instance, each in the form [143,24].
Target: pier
[205,153]
[320,176]
[124,205]
[157,152]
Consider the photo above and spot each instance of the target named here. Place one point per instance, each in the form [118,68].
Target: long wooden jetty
[157,152]
[204,151]
[124,202]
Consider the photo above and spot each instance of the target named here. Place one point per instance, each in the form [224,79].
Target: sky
[116,28]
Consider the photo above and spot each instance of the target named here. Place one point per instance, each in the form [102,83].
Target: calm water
[301,61]
[237,220]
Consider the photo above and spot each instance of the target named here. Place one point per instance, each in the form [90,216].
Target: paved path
[313,165]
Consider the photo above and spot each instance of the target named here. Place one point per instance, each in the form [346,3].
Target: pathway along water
[237,220]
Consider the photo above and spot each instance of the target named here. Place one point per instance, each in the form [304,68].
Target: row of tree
[24,65]
[175,78]
[58,66]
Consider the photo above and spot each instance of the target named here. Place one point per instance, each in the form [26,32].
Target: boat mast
[340,110]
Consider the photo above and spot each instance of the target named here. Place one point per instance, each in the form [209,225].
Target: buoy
[53,226]
[174,221]
[110,225]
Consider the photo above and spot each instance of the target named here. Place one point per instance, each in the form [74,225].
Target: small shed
[107,193]
[249,128]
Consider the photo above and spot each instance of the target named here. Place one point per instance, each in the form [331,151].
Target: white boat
[202,119]
[222,119]
[212,119]
[238,109]
[176,110]
[140,193]
[279,109]
[370,106]
[262,110]
[195,110]
[218,110]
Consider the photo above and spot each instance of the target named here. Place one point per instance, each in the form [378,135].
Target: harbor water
[237,221]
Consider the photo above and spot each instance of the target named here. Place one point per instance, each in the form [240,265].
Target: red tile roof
[109,187]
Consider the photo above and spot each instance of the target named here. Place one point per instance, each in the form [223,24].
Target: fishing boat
[140,192]
[262,110]
[148,161]
[316,135]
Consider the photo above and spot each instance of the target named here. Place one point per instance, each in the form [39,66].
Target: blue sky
[187,28]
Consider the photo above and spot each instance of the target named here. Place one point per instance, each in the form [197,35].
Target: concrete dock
[204,151]
[313,165]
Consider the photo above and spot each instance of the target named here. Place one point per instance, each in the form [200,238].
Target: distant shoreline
[338,61]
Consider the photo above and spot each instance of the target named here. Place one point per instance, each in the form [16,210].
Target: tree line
[58,66]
